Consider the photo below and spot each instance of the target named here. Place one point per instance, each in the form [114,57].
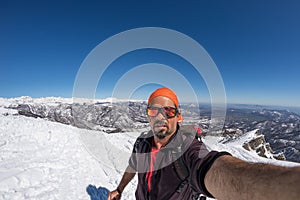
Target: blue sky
[255,45]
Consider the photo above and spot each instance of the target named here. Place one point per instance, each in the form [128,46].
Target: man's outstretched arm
[127,177]
[231,178]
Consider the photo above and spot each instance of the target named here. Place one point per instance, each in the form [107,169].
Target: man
[214,174]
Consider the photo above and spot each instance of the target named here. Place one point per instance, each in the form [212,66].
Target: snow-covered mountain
[105,115]
[45,158]
[281,128]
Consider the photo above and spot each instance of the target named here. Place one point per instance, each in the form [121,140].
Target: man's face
[160,124]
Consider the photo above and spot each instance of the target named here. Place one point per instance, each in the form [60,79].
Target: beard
[160,130]
[161,134]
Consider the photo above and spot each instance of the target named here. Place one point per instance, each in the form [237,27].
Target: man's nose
[161,116]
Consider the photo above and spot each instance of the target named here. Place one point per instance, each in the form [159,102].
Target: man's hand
[127,177]
[114,195]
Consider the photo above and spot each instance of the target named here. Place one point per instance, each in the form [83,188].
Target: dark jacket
[165,182]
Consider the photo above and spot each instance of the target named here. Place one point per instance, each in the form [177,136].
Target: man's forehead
[161,101]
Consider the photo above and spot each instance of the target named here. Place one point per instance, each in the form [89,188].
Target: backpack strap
[179,165]
[191,130]
[181,169]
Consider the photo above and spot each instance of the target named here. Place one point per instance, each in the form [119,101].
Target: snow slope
[235,147]
[40,159]
[47,160]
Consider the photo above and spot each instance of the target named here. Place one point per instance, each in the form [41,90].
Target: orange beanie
[166,92]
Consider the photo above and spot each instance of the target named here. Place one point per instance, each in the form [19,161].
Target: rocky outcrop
[281,128]
[258,144]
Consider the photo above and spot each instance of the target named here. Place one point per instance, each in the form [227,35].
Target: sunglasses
[167,111]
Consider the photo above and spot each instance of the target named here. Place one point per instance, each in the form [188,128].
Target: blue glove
[97,194]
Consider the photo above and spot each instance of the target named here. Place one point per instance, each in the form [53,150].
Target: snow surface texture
[40,159]
[46,160]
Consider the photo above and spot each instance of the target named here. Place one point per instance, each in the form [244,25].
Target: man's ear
[179,117]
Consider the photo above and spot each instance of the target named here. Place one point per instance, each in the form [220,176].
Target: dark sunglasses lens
[152,112]
[170,112]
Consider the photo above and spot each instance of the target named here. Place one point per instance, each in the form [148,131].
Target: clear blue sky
[255,44]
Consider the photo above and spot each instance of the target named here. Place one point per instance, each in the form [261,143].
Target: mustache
[159,123]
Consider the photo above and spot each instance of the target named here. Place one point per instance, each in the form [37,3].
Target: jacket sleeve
[199,160]
[133,158]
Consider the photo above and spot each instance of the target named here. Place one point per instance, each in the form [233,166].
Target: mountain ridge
[281,128]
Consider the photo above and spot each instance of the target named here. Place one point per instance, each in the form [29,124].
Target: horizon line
[109,99]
